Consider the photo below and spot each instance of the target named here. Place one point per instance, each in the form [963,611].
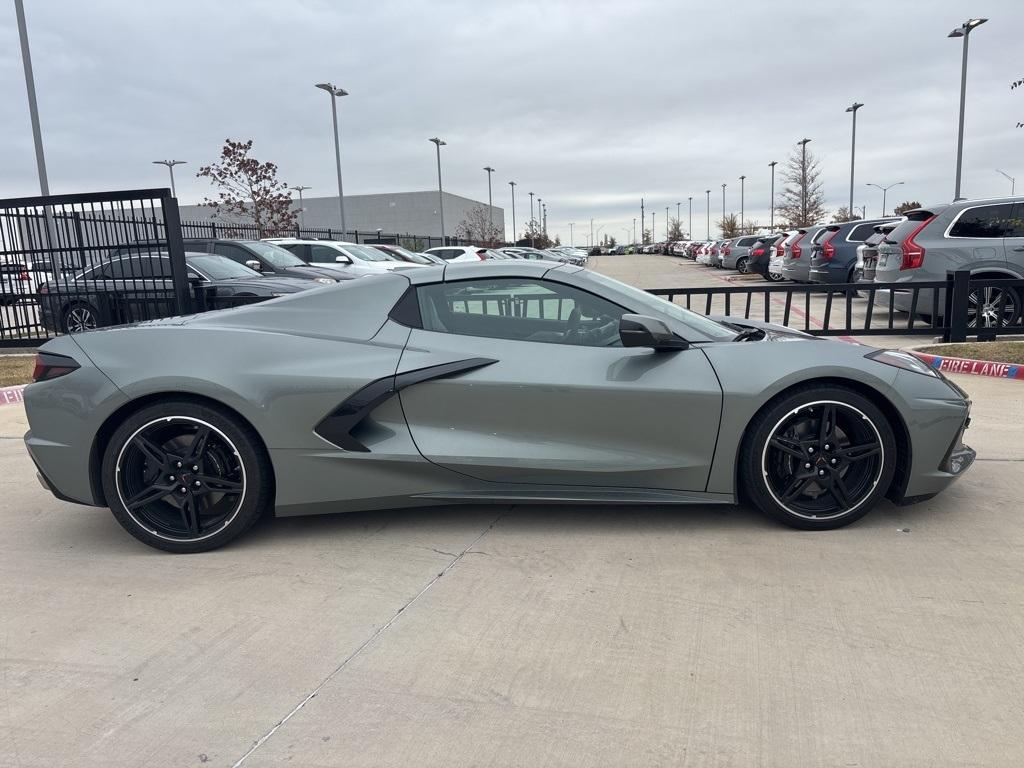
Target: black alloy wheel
[79,316]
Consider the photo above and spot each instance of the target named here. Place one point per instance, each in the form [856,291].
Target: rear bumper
[797,271]
[828,274]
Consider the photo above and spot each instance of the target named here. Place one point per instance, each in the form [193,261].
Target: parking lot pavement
[556,635]
[660,271]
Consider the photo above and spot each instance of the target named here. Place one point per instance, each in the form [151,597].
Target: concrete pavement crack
[365,644]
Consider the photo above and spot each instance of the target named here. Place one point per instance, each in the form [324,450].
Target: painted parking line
[973,367]
[12,395]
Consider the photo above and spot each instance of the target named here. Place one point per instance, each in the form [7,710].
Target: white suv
[463,253]
[351,258]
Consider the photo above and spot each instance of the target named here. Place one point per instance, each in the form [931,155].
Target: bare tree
[843,214]
[729,225]
[675,231]
[909,205]
[534,235]
[478,227]
[801,202]
[647,237]
[248,191]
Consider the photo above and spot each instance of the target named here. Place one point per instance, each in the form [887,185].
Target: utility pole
[964,31]
[440,193]
[515,236]
[743,180]
[490,204]
[571,224]
[803,182]
[689,232]
[666,223]
[772,165]
[723,210]
[708,193]
[533,241]
[853,148]
[643,220]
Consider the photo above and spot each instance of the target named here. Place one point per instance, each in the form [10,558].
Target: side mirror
[254,264]
[643,331]
[194,278]
[342,259]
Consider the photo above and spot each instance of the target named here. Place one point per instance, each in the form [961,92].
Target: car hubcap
[742,266]
[80,319]
[180,478]
[991,307]
[823,460]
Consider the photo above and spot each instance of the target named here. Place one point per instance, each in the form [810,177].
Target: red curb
[12,395]
[973,367]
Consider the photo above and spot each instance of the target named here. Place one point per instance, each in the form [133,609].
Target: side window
[747,241]
[1017,222]
[322,254]
[984,221]
[860,233]
[233,252]
[522,310]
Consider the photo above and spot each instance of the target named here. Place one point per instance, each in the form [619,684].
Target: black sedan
[134,288]
[266,258]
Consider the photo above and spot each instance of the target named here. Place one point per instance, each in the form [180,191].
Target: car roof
[468,270]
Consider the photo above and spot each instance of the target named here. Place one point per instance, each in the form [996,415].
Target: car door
[1013,242]
[974,240]
[537,389]
[242,256]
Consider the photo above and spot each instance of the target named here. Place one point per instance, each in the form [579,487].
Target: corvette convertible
[500,381]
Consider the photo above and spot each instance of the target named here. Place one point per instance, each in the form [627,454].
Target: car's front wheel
[821,457]
[79,316]
[186,477]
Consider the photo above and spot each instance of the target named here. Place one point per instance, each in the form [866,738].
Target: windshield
[644,301]
[221,267]
[276,255]
[366,253]
[415,258]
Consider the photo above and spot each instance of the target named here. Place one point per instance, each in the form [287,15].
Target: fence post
[176,252]
[956,317]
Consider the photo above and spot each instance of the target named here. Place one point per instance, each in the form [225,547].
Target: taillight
[913,254]
[51,366]
[827,249]
[780,249]
[726,251]
[795,250]
[757,252]
[23,276]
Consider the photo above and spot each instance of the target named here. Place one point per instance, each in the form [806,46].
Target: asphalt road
[516,635]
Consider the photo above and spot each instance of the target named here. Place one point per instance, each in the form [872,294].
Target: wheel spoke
[199,441]
[788,445]
[211,483]
[828,422]
[854,453]
[839,492]
[147,496]
[153,452]
[190,514]
[798,483]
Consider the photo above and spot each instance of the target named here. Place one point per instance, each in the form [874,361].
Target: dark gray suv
[834,255]
[985,237]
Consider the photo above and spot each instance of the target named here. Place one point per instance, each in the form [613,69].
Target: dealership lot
[525,635]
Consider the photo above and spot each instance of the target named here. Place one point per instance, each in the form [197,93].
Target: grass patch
[1011,352]
[16,369]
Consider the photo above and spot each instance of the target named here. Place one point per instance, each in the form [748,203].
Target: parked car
[782,247]
[737,253]
[525,252]
[350,259]
[465,253]
[265,258]
[404,254]
[20,279]
[867,252]
[834,254]
[985,237]
[140,287]
[761,253]
[796,261]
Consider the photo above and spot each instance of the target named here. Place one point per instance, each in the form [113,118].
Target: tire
[850,467]
[993,307]
[79,316]
[742,265]
[165,500]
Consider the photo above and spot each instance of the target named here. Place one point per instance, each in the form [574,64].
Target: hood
[270,284]
[774,332]
[313,271]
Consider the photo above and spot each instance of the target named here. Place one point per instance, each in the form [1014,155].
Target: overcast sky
[589,104]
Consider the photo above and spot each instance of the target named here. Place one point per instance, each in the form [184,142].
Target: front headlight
[325,280]
[905,360]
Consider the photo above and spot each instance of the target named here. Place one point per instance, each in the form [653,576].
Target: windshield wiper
[750,334]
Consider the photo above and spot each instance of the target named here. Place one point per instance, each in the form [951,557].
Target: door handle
[1021,248]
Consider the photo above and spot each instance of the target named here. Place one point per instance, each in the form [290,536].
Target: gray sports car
[498,381]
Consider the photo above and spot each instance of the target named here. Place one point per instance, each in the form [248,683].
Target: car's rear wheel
[186,477]
[742,266]
[820,457]
[993,307]
[79,316]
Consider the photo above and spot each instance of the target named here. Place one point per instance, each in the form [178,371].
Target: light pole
[515,236]
[964,31]
[540,216]
[335,93]
[170,169]
[490,204]
[643,220]
[533,242]
[803,181]
[884,190]
[302,208]
[689,232]
[677,211]
[853,148]
[771,224]
[1013,181]
[571,225]
[544,221]
[653,230]
[666,223]
[708,193]
[723,210]
[33,108]
[438,143]
[743,180]
[634,231]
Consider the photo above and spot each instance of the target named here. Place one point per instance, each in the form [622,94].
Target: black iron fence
[953,309]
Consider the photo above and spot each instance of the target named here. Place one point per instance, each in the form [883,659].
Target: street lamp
[884,190]
[677,211]
[170,169]
[689,232]
[723,210]
[743,180]
[533,243]
[853,149]
[335,93]
[302,208]
[490,205]
[571,225]
[666,223]
[771,224]
[1013,181]
[964,31]
[708,193]
[515,237]
[33,108]
[544,220]
[803,181]
[438,143]
[634,231]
